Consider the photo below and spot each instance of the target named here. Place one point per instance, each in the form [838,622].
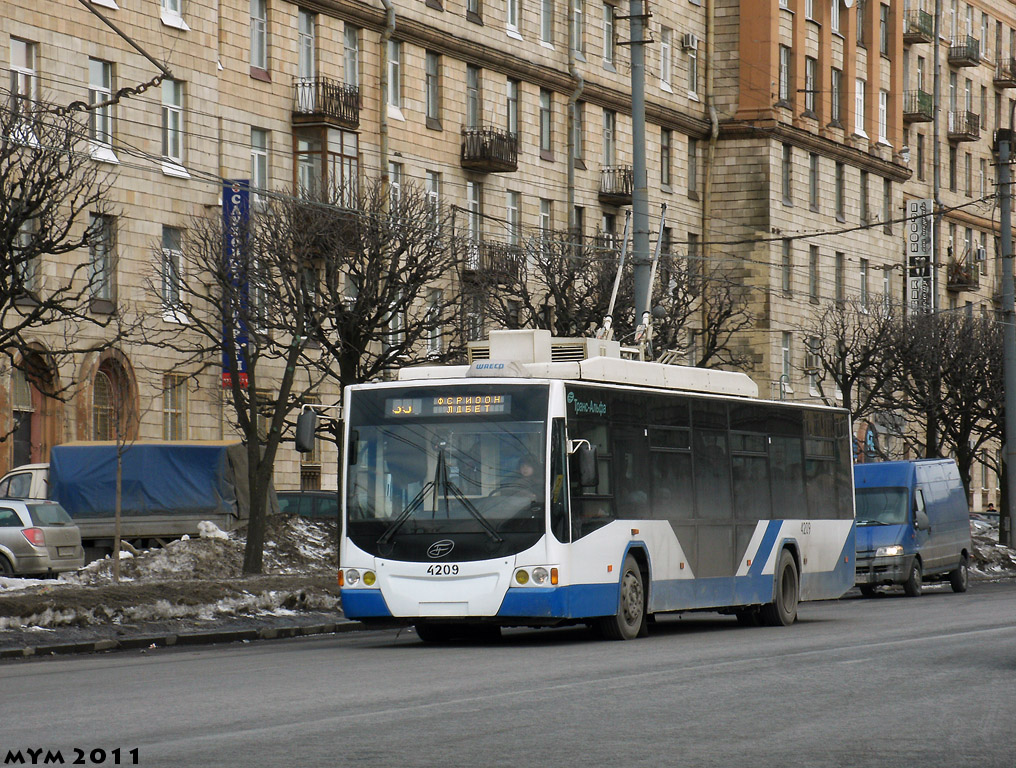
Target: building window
[609,35]
[395,184]
[473,113]
[785,354]
[258,165]
[609,137]
[395,74]
[968,174]
[920,156]
[692,71]
[841,214]
[513,13]
[174,7]
[578,130]
[887,206]
[864,284]
[546,124]
[174,407]
[306,66]
[435,342]
[859,108]
[23,76]
[513,217]
[813,273]
[100,88]
[839,276]
[104,407]
[666,143]
[547,21]
[786,267]
[784,93]
[432,89]
[860,22]
[351,55]
[983,186]
[834,15]
[512,107]
[102,258]
[836,93]
[883,29]
[172,120]
[813,181]
[26,259]
[578,42]
[952,168]
[433,190]
[546,225]
[172,266]
[809,9]
[259,34]
[666,57]
[863,199]
[692,168]
[787,169]
[883,116]
[810,67]
[474,201]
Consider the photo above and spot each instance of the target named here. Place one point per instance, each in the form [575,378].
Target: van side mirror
[306,426]
[921,521]
[585,464]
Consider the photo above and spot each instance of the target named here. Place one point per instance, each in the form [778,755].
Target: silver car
[37,538]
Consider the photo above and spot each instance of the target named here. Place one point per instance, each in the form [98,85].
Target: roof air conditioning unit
[690,41]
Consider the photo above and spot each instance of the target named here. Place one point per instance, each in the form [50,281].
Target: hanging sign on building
[919,252]
[235,220]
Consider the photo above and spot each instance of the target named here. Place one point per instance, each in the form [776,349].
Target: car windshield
[478,477]
[881,506]
[49,514]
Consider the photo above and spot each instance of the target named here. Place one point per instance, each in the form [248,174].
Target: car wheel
[630,619]
[782,611]
[6,569]
[960,578]
[867,590]
[912,586]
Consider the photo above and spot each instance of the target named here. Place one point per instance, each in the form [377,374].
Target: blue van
[913,525]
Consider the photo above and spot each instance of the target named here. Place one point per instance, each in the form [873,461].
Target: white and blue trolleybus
[529,490]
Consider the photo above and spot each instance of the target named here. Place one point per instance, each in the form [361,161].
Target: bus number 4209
[443,570]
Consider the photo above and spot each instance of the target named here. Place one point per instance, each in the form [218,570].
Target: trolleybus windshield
[465,464]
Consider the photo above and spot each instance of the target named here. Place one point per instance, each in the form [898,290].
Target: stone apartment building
[784,136]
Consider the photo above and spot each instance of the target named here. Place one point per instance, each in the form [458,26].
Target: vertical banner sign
[919,244]
[235,219]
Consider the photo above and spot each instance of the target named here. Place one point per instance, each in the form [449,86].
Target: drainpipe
[573,107]
[936,235]
[714,132]
[386,35]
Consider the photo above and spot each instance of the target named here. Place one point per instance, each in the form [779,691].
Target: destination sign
[448,405]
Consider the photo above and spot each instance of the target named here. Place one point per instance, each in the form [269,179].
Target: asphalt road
[890,681]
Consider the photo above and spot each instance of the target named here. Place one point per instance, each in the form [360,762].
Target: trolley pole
[640,188]
[1003,148]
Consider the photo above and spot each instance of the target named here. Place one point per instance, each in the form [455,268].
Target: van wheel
[912,586]
[630,619]
[6,569]
[782,611]
[960,578]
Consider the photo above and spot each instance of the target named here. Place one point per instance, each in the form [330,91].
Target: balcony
[965,51]
[323,100]
[489,150]
[607,244]
[499,262]
[918,27]
[964,126]
[1005,73]
[917,107]
[962,275]
[617,182]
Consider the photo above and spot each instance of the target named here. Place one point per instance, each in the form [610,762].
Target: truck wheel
[912,586]
[959,578]
[6,569]
[630,619]
[782,611]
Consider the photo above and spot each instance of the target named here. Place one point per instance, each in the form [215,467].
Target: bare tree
[241,297]
[849,349]
[52,200]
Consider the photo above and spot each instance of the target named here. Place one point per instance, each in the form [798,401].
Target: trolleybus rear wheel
[782,611]
[630,619]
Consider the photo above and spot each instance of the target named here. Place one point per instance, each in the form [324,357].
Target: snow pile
[991,559]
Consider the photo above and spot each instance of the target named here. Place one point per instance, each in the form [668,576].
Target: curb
[161,640]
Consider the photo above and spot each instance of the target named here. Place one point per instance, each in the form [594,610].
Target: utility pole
[1003,149]
[640,184]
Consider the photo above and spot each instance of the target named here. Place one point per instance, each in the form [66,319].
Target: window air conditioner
[689,41]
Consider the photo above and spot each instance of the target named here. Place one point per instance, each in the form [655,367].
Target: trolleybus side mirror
[589,467]
[306,426]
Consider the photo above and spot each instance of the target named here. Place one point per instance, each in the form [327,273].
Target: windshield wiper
[872,522]
[405,514]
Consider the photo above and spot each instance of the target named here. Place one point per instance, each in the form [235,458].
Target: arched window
[103,407]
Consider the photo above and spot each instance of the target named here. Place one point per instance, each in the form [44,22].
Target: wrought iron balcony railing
[327,100]
[502,262]
[965,51]
[617,182]
[918,107]
[1005,73]
[490,150]
[963,275]
[918,27]
[964,126]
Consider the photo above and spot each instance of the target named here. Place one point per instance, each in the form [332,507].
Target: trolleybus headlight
[521,577]
[540,575]
[369,578]
[352,576]
[892,551]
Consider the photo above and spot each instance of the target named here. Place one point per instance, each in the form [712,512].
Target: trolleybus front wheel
[782,611]
[630,620]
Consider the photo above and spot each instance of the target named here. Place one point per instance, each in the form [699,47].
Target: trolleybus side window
[711,460]
[670,466]
[630,452]
[558,482]
[820,462]
[592,508]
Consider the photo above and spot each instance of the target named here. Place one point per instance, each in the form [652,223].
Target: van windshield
[881,506]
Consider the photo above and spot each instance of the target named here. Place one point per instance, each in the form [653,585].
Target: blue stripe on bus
[573,602]
[364,604]
[765,547]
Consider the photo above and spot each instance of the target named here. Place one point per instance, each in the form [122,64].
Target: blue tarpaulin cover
[158,479]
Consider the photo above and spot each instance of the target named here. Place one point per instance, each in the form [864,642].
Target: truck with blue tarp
[167,488]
